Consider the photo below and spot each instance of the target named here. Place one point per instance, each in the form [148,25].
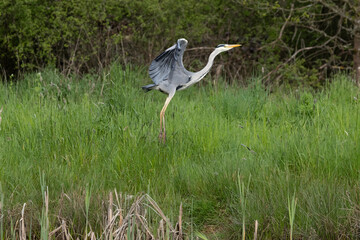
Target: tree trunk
[357,50]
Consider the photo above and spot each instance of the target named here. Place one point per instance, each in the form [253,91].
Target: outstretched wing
[163,65]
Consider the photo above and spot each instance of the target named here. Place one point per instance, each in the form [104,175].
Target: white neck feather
[202,73]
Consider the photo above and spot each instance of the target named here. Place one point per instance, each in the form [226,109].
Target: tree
[325,33]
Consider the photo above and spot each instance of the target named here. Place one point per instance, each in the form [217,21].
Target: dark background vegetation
[294,42]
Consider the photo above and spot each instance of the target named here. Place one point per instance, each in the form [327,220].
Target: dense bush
[79,36]
[68,34]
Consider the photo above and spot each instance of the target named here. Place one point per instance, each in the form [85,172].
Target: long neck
[200,74]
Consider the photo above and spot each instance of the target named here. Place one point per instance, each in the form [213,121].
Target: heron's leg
[162,134]
[164,129]
[162,120]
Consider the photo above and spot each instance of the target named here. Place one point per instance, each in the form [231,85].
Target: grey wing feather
[164,64]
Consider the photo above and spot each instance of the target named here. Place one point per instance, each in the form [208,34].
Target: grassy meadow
[233,156]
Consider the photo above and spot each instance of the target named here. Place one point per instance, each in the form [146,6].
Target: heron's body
[169,74]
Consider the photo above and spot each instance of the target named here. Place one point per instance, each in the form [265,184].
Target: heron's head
[227,47]
[182,42]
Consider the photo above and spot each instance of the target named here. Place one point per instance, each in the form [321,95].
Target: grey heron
[169,74]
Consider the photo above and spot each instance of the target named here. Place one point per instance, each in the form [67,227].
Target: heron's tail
[149,87]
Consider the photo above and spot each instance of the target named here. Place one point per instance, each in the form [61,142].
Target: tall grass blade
[256,229]
[243,192]
[2,213]
[44,220]
[292,210]
[87,206]
[22,231]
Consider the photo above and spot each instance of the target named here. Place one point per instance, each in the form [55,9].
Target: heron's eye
[220,45]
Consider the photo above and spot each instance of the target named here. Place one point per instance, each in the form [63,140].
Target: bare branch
[336,9]
[282,29]
[293,57]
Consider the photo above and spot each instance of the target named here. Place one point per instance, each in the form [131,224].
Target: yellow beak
[233,45]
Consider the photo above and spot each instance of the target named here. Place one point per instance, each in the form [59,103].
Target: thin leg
[164,129]
[162,134]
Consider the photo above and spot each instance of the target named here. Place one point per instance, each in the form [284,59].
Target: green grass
[99,133]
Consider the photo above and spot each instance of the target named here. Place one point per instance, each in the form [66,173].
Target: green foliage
[297,75]
[61,33]
[78,37]
[306,104]
[104,136]
[75,36]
